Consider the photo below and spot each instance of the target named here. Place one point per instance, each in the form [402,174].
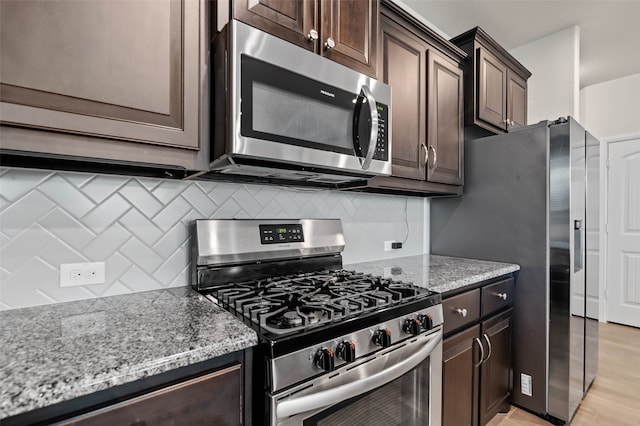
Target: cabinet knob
[462,312]
[502,296]
[313,35]
[330,43]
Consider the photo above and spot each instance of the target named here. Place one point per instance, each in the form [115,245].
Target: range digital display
[280,234]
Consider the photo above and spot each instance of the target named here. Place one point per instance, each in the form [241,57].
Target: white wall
[610,110]
[140,227]
[554,86]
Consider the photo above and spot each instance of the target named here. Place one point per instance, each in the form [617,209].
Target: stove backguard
[236,250]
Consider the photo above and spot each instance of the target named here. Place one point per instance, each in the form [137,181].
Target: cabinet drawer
[214,398]
[461,310]
[497,296]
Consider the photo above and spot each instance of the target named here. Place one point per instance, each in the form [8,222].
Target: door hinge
[608,163]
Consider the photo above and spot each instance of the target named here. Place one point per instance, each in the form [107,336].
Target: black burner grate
[297,302]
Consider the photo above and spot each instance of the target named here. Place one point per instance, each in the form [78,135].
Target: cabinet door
[516,99]
[492,84]
[496,373]
[403,68]
[352,25]
[291,20]
[461,353]
[126,70]
[212,399]
[445,107]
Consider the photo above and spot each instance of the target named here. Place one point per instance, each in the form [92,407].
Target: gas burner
[291,318]
[283,304]
[300,317]
[318,298]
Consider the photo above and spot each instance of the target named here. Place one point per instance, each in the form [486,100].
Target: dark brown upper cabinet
[123,81]
[345,31]
[495,83]
[425,74]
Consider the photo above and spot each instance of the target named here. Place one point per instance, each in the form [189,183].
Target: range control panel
[274,234]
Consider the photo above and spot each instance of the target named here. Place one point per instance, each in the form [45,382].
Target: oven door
[401,385]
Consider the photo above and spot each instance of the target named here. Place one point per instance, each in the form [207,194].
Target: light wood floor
[614,397]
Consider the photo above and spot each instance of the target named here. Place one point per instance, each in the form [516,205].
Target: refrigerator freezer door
[592,240]
[567,285]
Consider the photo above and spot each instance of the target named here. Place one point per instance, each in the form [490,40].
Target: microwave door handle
[335,395]
[373,136]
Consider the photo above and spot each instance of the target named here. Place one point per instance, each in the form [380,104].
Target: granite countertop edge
[194,328]
[441,274]
[183,328]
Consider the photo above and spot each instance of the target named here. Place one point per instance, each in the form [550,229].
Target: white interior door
[623,271]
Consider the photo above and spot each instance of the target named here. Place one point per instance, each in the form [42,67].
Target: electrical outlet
[74,274]
[392,245]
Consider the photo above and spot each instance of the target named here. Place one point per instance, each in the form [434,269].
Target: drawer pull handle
[481,352]
[461,311]
[489,344]
[502,296]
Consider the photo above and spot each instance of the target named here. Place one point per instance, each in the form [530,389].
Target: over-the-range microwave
[283,112]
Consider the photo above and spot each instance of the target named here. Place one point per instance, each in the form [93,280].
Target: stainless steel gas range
[336,347]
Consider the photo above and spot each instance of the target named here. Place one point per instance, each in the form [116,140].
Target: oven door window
[282,106]
[402,402]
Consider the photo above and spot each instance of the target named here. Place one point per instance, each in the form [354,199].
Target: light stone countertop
[437,273]
[58,352]
[53,353]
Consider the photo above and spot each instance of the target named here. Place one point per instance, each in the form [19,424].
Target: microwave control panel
[382,147]
[274,234]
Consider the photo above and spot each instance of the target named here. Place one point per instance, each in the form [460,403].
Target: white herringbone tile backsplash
[140,227]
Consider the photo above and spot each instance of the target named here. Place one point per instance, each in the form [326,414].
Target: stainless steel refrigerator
[531,197]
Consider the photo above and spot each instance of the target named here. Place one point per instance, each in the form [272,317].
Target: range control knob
[382,337]
[346,351]
[411,326]
[426,321]
[324,359]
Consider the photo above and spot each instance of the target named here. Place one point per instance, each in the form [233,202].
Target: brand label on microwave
[324,92]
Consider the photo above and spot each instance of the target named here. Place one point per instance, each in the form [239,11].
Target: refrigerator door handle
[577,246]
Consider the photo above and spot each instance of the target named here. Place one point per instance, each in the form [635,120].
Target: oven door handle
[329,397]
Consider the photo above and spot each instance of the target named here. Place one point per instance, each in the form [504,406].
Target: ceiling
[609,37]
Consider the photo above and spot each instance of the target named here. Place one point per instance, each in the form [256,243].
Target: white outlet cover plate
[76,274]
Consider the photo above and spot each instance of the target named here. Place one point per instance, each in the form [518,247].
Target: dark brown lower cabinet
[460,385]
[496,372]
[477,372]
[212,399]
